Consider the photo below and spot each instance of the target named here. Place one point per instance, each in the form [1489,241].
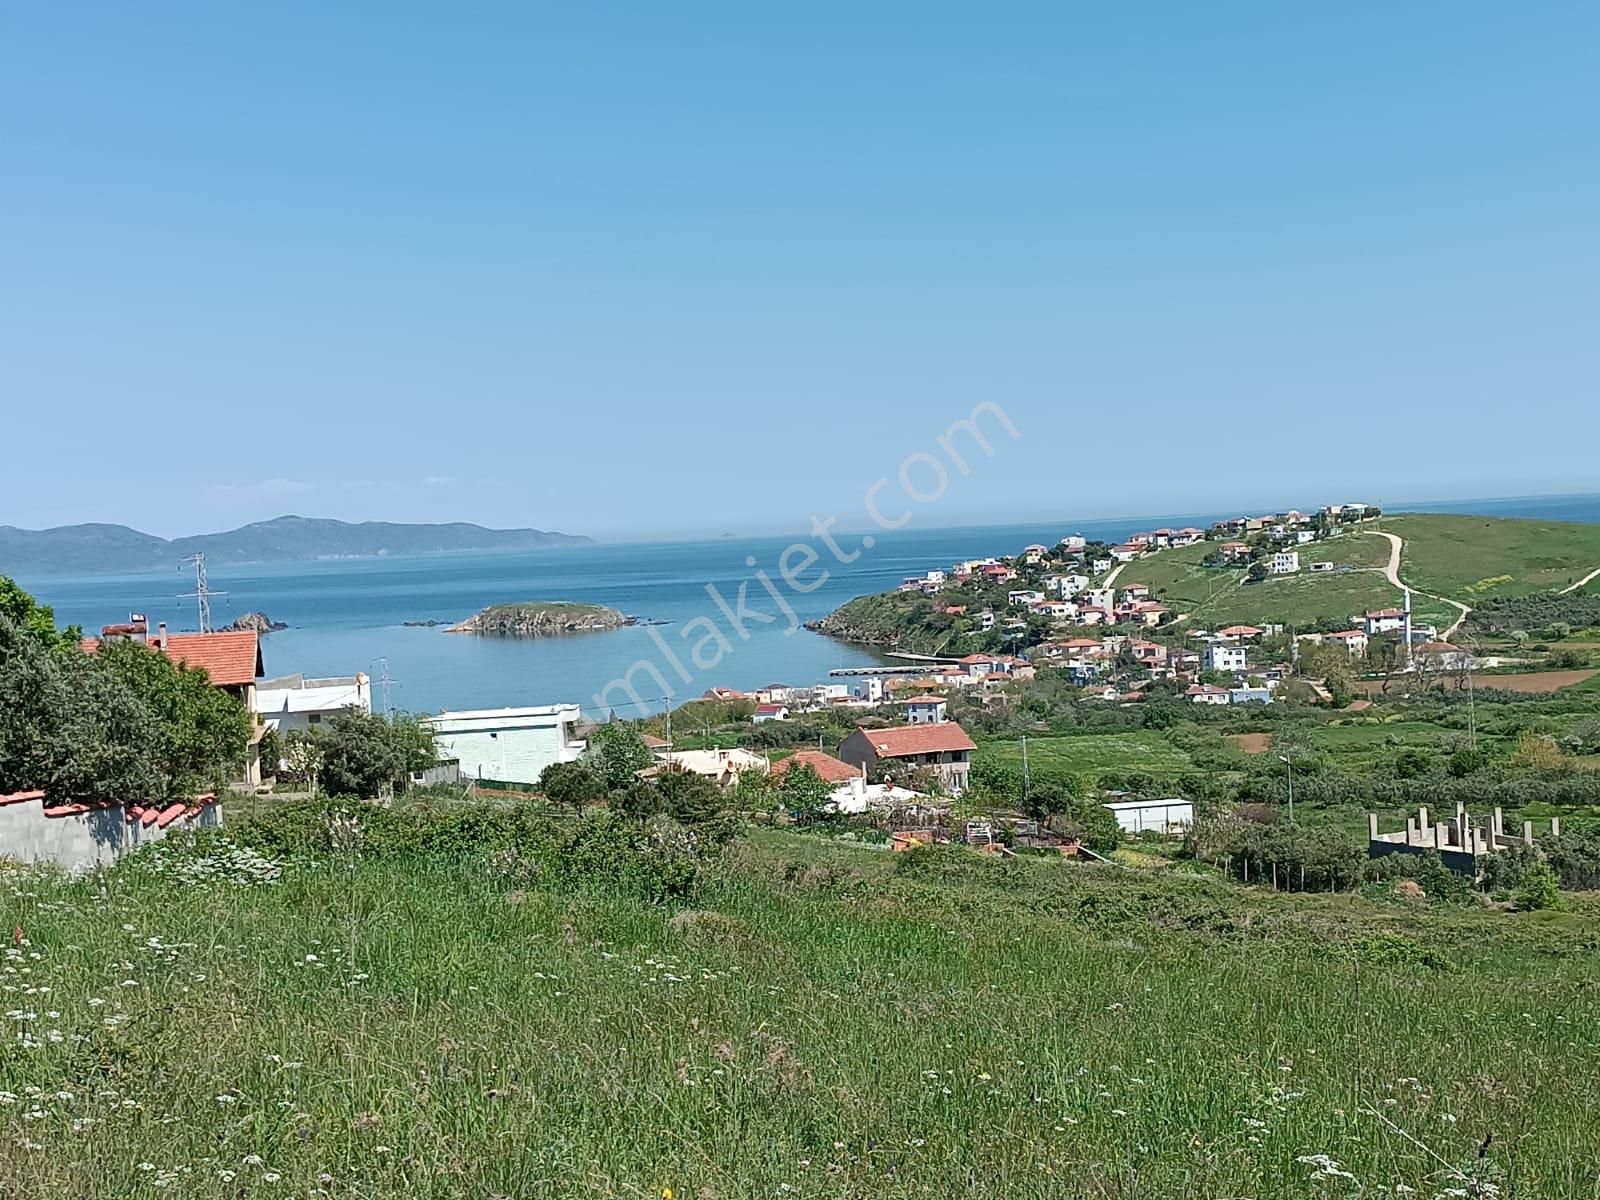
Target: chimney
[161,636]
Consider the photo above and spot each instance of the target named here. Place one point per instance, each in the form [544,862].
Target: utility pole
[202,593]
[1288,762]
[384,683]
[1025,769]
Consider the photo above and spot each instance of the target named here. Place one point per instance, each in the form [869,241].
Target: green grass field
[1467,557]
[828,1021]
[1137,750]
[1218,596]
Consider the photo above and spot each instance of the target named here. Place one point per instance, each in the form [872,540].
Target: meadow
[1468,557]
[1145,750]
[1213,596]
[823,1019]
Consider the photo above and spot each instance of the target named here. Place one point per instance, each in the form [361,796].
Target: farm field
[825,1020]
[1467,557]
[1137,750]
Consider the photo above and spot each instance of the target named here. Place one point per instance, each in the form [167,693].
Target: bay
[349,615]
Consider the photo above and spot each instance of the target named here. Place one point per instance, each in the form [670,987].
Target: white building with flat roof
[297,703]
[508,745]
[1166,817]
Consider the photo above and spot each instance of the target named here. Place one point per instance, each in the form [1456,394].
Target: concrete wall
[81,841]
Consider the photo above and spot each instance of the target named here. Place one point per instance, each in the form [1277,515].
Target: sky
[664,270]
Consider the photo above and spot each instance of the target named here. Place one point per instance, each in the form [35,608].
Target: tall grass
[827,1022]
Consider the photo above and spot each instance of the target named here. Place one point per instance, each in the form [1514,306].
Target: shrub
[1540,889]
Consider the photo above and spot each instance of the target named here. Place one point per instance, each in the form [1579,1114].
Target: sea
[351,615]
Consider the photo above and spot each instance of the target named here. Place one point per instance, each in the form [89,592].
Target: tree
[34,620]
[368,755]
[620,754]
[204,732]
[1537,751]
[804,793]
[70,727]
[687,797]
[1540,889]
[571,785]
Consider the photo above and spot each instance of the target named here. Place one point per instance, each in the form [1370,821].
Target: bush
[658,860]
[1540,889]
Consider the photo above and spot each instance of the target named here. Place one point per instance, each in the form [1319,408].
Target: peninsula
[542,618]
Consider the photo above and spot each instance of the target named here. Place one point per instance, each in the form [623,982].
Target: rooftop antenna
[202,593]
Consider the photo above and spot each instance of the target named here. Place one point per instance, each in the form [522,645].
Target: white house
[926,710]
[1226,656]
[1205,693]
[1073,542]
[770,712]
[1172,815]
[1384,620]
[294,702]
[1102,597]
[723,766]
[1353,640]
[1285,562]
[1022,598]
[509,745]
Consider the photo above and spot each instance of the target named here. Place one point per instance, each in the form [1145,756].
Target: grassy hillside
[904,620]
[1138,750]
[828,1021]
[1221,596]
[1468,558]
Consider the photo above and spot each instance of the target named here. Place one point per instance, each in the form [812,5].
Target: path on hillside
[1111,579]
[1589,578]
[1391,572]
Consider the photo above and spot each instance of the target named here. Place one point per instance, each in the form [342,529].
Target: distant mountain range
[85,549]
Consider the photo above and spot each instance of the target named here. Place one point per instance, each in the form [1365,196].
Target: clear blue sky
[678,268]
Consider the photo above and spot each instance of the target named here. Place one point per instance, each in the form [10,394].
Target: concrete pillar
[1441,835]
[1411,831]
[1372,827]
[1527,833]
[1499,825]
[1422,817]
[1555,826]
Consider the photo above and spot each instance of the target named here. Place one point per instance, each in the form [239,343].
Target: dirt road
[1587,579]
[1391,572]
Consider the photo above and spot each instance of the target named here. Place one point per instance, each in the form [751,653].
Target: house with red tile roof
[829,768]
[231,658]
[943,747]
[1240,633]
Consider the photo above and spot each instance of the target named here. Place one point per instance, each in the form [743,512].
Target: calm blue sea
[348,616]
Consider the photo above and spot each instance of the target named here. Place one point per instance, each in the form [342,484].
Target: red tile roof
[1239,631]
[905,740]
[231,658]
[19,797]
[829,768]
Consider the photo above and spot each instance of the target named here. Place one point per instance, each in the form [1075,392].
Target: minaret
[1408,628]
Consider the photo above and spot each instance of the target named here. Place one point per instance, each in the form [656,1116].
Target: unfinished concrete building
[1461,843]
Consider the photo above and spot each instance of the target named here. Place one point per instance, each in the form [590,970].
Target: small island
[258,622]
[542,618]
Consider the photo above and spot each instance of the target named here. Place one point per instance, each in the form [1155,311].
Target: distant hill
[84,549]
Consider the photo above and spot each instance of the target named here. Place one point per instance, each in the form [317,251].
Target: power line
[202,592]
